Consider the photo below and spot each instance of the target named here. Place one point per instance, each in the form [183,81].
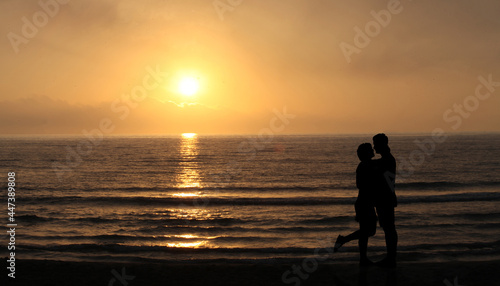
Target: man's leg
[387,222]
[363,247]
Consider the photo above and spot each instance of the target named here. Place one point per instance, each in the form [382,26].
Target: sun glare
[189,135]
[185,195]
[188,86]
[186,244]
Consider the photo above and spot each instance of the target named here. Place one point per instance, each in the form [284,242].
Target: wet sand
[55,273]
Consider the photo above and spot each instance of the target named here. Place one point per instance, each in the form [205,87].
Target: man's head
[381,143]
[365,152]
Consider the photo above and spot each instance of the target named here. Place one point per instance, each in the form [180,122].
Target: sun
[188,86]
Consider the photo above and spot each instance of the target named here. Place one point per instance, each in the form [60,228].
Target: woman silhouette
[364,206]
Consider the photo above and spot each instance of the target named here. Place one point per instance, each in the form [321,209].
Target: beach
[55,273]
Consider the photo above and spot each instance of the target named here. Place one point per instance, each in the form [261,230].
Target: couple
[375,181]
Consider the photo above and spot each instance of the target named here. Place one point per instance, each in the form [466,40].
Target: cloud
[44,115]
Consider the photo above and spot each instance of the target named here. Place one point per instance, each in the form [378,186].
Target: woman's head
[365,152]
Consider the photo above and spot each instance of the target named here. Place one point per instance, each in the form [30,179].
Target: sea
[195,198]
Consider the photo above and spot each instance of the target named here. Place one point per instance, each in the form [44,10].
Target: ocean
[197,198]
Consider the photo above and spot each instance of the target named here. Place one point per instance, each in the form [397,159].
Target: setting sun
[189,135]
[188,86]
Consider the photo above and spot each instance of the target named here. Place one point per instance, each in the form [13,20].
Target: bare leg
[386,218]
[363,247]
[341,240]
[353,236]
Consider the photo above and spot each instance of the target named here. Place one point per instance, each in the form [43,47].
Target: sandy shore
[55,273]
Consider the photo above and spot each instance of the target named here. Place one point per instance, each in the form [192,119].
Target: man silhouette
[385,197]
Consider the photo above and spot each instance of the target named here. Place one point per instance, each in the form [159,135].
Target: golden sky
[67,66]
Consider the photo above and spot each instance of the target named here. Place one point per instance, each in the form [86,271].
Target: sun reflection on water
[196,241]
[187,236]
[188,183]
[185,195]
[188,176]
[187,244]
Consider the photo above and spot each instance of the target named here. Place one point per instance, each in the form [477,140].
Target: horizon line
[75,135]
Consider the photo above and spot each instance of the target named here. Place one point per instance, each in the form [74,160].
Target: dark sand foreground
[45,273]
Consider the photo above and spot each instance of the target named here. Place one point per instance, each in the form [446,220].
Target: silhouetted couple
[376,199]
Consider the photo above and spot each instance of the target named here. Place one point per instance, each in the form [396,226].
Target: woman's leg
[341,240]
[367,228]
[353,236]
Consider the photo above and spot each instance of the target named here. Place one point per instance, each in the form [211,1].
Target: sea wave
[205,201]
[445,185]
[267,188]
[492,246]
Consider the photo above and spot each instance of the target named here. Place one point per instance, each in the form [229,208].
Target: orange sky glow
[211,67]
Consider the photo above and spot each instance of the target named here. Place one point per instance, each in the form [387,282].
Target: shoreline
[54,273]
